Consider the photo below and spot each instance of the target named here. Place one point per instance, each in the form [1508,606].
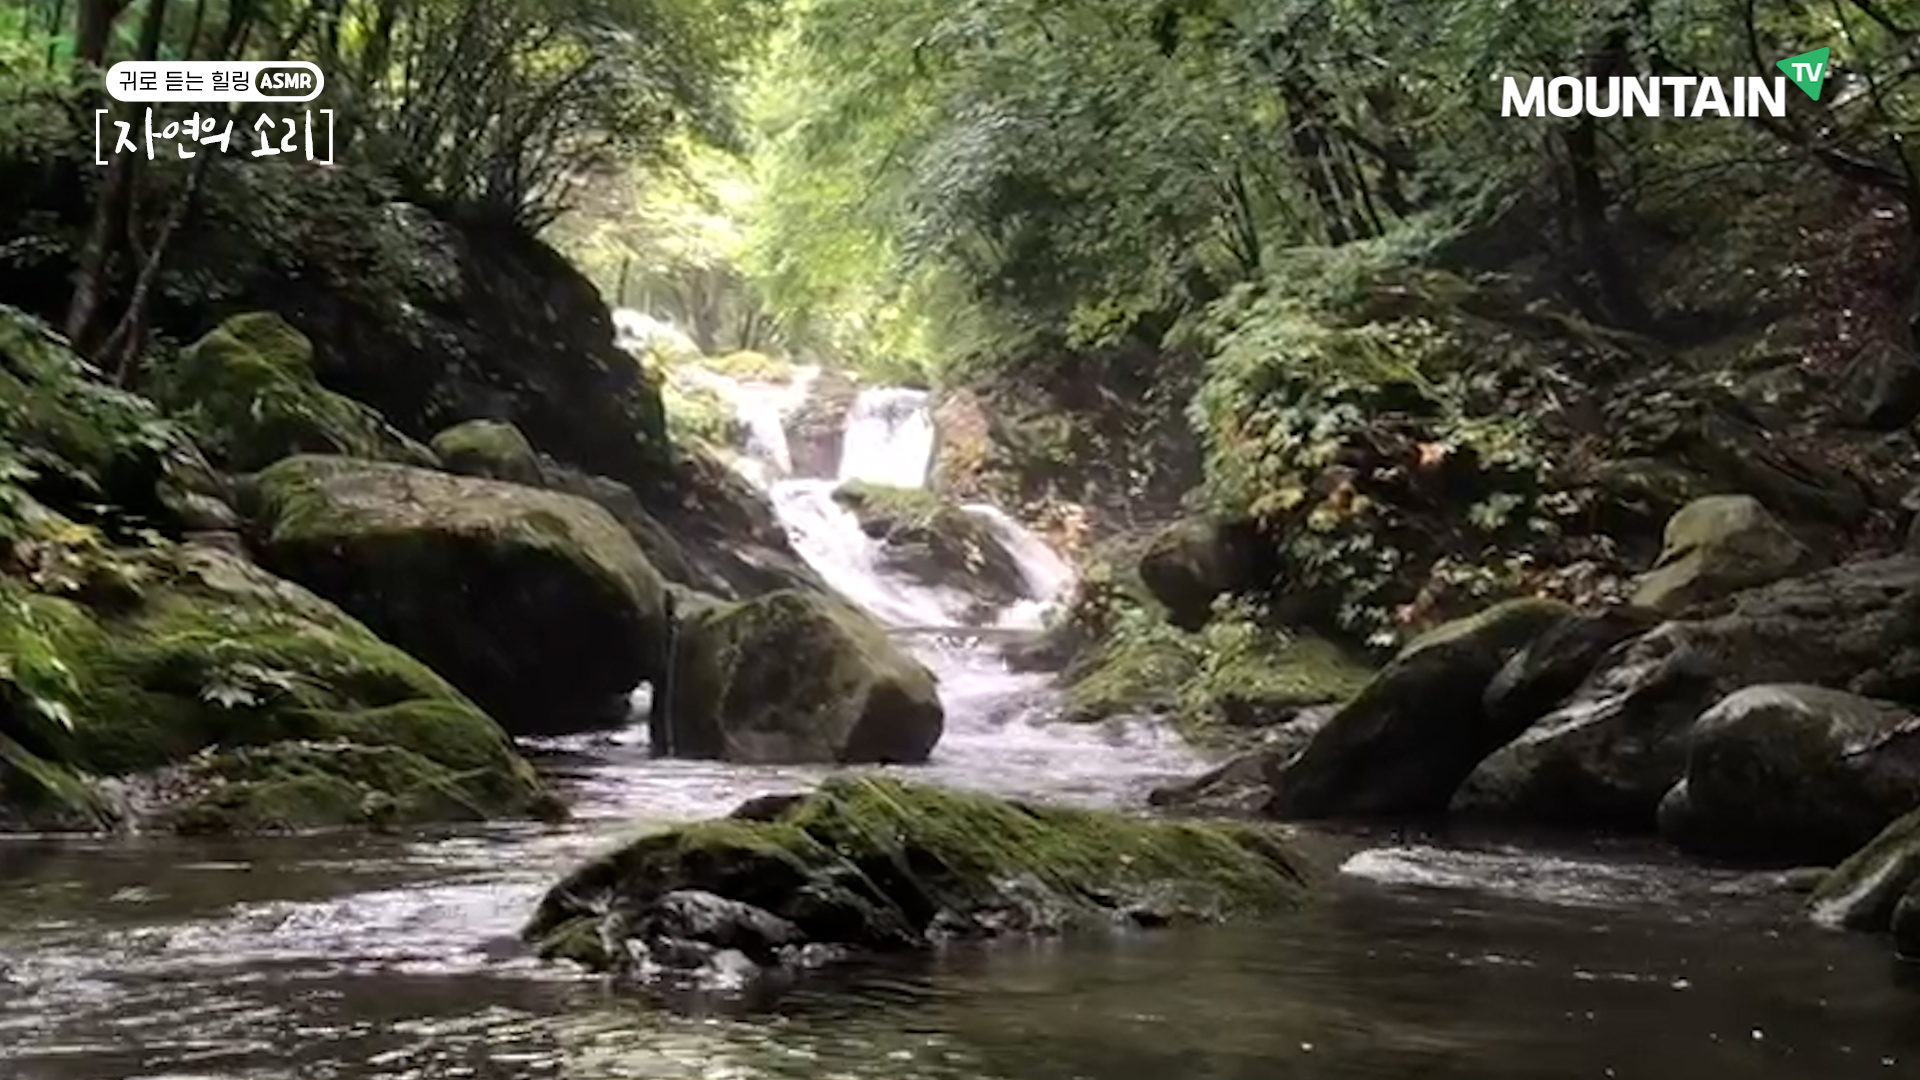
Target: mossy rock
[205,651]
[1863,892]
[298,786]
[536,604]
[1716,546]
[89,450]
[1407,740]
[748,365]
[1212,686]
[795,677]
[493,449]
[1189,564]
[877,864]
[249,393]
[935,540]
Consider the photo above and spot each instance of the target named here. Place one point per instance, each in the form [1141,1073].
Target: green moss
[297,786]
[750,366]
[1233,674]
[571,616]
[886,509]
[315,501]
[872,861]
[697,415]
[248,391]
[489,448]
[1506,625]
[86,447]
[214,652]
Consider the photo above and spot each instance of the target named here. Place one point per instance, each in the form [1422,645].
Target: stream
[395,957]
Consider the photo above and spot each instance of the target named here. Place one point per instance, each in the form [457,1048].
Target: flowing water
[363,957]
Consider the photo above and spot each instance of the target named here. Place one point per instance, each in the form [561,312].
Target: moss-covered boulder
[1863,892]
[1189,564]
[935,541]
[491,448]
[88,450]
[248,392]
[737,550]
[1716,546]
[239,701]
[875,865]
[1419,727]
[1608,755]
[795,677]
[1794,775]
[538,605]
[1235,677]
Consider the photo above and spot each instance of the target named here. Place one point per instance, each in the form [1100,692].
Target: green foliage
[1348,419]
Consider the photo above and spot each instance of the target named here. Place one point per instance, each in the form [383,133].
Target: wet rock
[1609,755]
[1793,774]
[1884,379]
[1414,732]
[935,541]
[1906,925]
[249,393]
[793,677]
[1239,787]
[693,915]
[1863,892]
[538,605]
[867,864]
[1716,546]
[1552,666]
[1189,564]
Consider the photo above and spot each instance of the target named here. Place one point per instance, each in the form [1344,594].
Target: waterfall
[889,438]
[1048,577]
[829,538]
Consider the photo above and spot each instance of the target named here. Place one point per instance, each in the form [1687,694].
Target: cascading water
[889,438]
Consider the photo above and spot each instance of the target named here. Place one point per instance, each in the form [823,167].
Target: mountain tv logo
[1692,97]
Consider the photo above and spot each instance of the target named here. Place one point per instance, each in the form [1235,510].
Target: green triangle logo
[1808,70]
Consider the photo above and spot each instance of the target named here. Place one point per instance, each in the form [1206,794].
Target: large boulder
[867,864]
[182,688]
[248,392]
[794,677]
[537,604]
[1716,546]
[1406,741]
[1864,892]
[734,552]
[1553,665]
[1189,564]
[1794,775]
[427,316]
[1609,754]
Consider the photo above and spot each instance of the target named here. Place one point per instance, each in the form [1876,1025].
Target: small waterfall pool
[350,957]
